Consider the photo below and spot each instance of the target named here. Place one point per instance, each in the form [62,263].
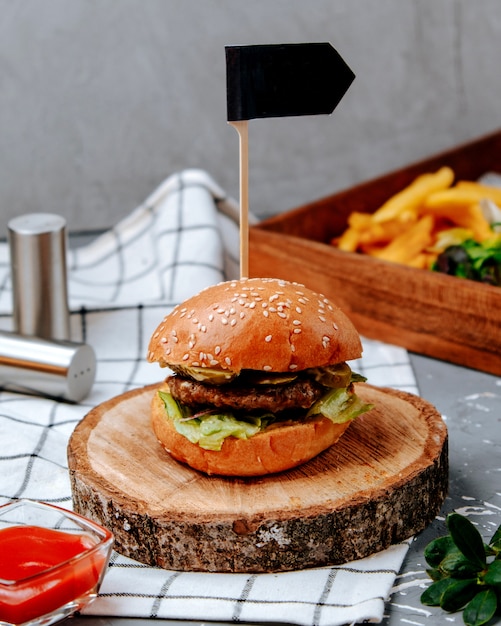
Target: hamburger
[259,378]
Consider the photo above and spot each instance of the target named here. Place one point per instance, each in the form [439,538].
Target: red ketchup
[34,563]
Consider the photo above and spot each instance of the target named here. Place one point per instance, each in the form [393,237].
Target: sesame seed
[297,331]
[164,340]
[217,350]
[196,364]
[227,360]
[267,368]
[268,338]
[214,362]
[233,322]
[224,320]
[299,310]
[335,326]
[211,317]
[321,318]
[175,339]
[282,315]
[186,357]
[293,366]
[203,328]
[266,313]
[168,351]
[242,315]
[296,322]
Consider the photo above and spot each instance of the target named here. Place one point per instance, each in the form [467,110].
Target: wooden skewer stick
[242,128]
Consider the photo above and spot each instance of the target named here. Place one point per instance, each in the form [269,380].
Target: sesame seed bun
[274,450]
[256,323]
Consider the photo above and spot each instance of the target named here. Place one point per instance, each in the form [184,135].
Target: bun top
[261,324]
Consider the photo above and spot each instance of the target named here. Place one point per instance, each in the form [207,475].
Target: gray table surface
[470,402]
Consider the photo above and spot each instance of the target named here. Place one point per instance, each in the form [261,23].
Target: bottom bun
[274,450]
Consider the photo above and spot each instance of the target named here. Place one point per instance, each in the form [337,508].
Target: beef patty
[300,393]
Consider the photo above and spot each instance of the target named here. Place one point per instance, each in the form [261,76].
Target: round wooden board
[385,480]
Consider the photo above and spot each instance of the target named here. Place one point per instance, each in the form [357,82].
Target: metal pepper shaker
[54,368]
[39,280]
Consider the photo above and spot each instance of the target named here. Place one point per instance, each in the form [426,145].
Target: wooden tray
[428,313]
[383,481]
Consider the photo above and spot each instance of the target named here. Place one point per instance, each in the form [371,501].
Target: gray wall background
[100,100]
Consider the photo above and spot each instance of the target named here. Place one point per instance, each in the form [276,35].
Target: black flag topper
[282,80]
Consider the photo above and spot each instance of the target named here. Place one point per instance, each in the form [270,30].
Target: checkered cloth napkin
[181,239]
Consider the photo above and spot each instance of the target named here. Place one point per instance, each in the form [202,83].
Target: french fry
[410,198]
[382,234]
[451,199]
[460,207]
[359,221]
[422,261]
[482,191]
[409,244]
[348,241]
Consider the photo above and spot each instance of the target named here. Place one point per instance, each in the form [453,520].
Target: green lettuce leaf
[210,429]
[340,405]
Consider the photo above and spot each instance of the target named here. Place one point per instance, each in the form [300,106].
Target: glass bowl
[52,562]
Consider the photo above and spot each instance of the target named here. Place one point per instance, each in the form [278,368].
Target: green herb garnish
[476,261]
[466,572]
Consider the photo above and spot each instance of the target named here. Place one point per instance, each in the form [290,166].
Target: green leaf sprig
[473,260]
[466,572]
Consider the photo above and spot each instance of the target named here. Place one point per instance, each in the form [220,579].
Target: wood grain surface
[383,481]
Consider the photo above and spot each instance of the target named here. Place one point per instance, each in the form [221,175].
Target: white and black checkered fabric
[183,238]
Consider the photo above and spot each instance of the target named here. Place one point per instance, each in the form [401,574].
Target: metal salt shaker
[39,282]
